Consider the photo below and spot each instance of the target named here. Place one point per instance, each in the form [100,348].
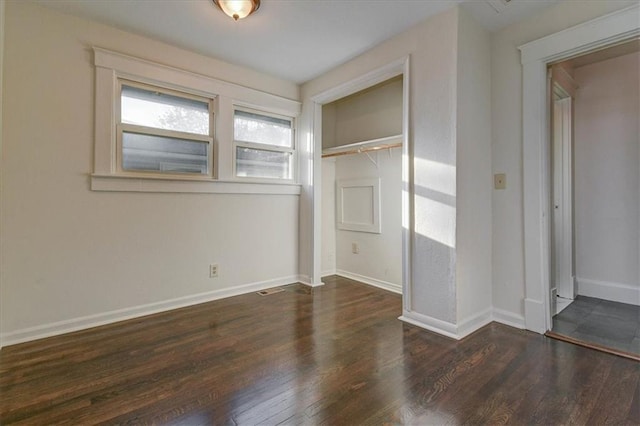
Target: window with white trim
[264,145]
[155,132]
[163,131]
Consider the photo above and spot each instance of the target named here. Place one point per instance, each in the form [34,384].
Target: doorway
[394,72]
[595,190]
[362,186]
[602,32]
[563,90]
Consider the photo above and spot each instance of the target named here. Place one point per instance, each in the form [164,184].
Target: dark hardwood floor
[337,355]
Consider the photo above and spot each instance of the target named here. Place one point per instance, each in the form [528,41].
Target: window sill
[119,183]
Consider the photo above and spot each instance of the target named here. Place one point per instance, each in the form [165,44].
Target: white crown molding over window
[111,66]
[535,56]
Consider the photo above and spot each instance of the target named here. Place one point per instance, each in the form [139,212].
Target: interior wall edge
[474,322]
[455,331]
[426,322]
[306,280]
[2,26]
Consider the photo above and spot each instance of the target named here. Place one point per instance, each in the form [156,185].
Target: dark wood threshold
[590,345]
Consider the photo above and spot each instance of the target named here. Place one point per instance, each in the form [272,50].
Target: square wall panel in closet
[358,205]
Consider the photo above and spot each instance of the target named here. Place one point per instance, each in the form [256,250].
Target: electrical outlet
[354,248]
[213,270]
[500,181]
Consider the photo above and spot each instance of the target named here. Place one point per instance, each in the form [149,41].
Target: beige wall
[2,12]
[444,136]
[474,182]
[68,252]
[432,46]
[379,258]
[506,109]
[328,255]
[606,178]
[372,114]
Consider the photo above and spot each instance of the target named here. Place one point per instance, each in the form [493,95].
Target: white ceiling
[296,40]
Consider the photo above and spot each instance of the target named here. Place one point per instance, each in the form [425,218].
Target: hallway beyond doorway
[600,323]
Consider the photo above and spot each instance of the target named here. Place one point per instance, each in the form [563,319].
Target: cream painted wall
[380,255]
[328,256]
[2,9]
[68,252]
[432,46]
[474,182]
[607,175]
[329,125]
[506,112]
[372,114]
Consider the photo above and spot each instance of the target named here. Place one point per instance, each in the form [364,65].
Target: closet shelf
[364,146]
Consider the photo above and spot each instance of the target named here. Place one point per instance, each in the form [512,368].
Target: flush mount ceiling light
[238,9]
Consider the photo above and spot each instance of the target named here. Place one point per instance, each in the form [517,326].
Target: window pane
[250,127]
[164,111]
[163,154]
[263,164]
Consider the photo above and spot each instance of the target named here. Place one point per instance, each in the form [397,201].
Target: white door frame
[386,72]
[562,198]
[535,56]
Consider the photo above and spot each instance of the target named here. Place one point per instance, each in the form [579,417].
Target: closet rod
[362,150]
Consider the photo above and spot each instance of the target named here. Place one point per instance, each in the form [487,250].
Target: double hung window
[163,131]
[264,146]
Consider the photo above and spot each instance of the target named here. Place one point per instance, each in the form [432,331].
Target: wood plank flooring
[336,355]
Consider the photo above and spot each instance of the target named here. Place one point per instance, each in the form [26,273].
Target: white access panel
[358,205]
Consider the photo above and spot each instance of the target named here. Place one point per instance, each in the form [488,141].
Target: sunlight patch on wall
[436,176]
[435,220]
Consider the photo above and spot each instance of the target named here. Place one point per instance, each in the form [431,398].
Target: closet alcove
[362,186]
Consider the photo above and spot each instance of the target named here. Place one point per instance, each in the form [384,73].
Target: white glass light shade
[238,9]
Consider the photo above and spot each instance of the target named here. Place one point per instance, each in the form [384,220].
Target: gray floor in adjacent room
[612,324]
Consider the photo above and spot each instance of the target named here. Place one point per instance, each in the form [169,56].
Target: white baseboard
[508,318]
[327,273]
[616,292]
[82,323]
[306,280]
[465,327]
[429,323]
[534,316]
[473,323]
[395,288]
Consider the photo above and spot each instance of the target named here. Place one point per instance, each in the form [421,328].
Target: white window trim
[110,67]
[265,147]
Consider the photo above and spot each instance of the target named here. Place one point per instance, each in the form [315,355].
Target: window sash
[238,143]
[245,165]
[265,117]
[122,128]
[130,128]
